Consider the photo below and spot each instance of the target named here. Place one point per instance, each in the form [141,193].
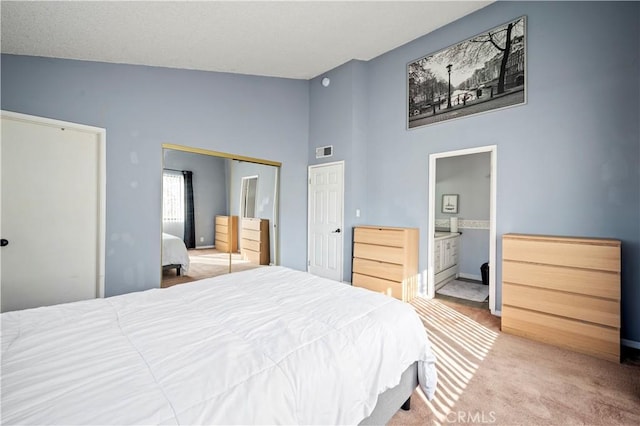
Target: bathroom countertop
[441,235]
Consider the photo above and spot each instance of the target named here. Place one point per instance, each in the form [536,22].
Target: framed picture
[450,203]
[483,73]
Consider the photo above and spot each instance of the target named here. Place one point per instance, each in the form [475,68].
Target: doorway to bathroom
[462,232]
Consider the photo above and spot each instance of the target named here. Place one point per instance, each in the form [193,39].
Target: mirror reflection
[219,214]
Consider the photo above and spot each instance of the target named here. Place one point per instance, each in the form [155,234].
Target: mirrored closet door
[219,215]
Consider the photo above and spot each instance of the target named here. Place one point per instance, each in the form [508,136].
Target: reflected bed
[174,254]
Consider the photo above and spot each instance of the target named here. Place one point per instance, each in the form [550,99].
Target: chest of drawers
[564,291]
[254,246]
[385,259]
[226,233]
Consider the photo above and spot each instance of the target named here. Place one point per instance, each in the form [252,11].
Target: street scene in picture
[483,73]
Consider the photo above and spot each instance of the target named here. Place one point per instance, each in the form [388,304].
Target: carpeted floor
[206,263]
[488,377]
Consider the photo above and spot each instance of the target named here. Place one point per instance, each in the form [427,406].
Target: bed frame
[177,267]
[391,399]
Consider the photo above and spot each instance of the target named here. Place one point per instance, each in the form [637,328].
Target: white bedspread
[269,345]
[174,252]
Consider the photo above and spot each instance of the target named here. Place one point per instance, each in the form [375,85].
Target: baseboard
[470,276]
[630,343]
[205,247]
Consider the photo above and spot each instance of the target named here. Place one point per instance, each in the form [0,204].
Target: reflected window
[172,197]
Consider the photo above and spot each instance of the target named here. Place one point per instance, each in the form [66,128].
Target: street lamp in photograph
[449,97]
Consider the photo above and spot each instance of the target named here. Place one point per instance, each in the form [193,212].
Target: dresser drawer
[222,246]
[222,229]
[224,237]
[380,236]
[592,283]
[570,305]
[253,224]
[379,253]
[372,268]
[596,340]
[250,255]
[222,220]
[251,234]
[600,256]
[251,244]
[390,288]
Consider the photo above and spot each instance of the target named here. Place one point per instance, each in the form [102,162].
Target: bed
[266,346]
[174,254]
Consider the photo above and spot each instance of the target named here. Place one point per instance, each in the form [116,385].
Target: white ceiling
[292,39]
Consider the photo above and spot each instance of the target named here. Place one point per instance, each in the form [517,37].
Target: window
[172,197]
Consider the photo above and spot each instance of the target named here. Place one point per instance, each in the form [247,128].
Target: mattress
[268,345]
[174,252]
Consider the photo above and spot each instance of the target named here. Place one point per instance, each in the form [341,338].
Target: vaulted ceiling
[291,39]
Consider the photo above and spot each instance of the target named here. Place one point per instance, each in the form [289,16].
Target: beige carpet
[488,377]
[206,263]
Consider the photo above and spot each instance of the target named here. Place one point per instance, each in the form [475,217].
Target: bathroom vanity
[445,257]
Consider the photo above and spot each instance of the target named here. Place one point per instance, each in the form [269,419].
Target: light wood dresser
[254,246]
[227,233]
[385,259]
[564,291]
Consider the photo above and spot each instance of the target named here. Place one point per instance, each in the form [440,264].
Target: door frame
[101,135]
[242,194]
[341,245]
[492,149]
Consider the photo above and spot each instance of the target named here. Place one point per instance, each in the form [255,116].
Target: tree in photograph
[423,83]
[486,46]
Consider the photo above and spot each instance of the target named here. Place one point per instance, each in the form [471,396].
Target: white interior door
[326,194]
[51,212]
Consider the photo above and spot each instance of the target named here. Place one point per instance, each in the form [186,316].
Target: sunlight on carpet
[460,344]
[218,259]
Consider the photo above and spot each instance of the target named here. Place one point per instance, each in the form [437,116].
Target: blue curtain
[189,221]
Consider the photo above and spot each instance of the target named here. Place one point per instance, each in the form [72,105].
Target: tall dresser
[564,291]
[226,233]
[385,259]
[254,246]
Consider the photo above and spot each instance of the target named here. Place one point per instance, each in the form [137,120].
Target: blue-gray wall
[338,117]
[210,196]
[143,107]
[567,161]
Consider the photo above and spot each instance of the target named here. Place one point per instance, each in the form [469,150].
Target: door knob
[3,242]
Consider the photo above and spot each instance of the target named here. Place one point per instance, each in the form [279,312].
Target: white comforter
[174,252]
[269,345]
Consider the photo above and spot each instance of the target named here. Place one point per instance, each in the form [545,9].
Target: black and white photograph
[450,203]
[480,74]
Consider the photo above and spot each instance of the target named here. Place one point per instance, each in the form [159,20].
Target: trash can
[484,271]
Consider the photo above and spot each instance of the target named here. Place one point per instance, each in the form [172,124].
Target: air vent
[324,151]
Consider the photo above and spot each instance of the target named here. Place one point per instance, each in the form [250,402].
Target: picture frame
[450,203]
[480,74]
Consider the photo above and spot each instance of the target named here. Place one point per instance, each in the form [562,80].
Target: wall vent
[324,151]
